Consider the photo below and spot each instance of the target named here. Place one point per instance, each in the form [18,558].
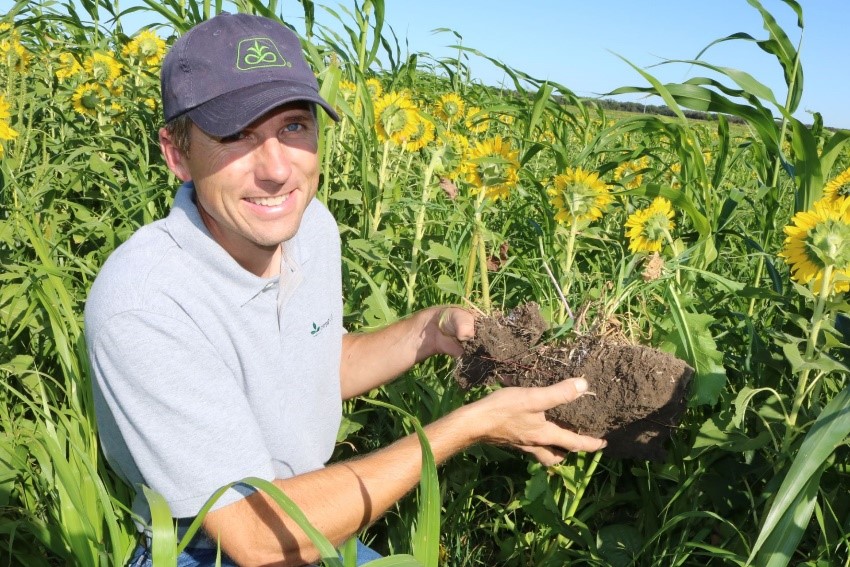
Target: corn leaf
[163,532]
[394,561]
[788,516]
[325,548]
[426,538]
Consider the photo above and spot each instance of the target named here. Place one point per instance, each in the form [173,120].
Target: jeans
[196,557]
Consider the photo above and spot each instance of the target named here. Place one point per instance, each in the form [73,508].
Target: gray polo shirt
[205,373]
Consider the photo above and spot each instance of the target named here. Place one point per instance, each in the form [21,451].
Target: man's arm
[344,497]
[372,359]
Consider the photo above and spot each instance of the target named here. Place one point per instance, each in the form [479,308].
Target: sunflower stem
[479,250]
[565,306]
[485,276]
[671,242]
[811,346]
[582,485]
[571,244]
[469,282]
[420,225]
[382,175]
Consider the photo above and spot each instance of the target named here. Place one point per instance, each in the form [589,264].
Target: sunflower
[578,195]
[451,107]
[147,47]
[818,238]
[374,87]
[838,186]
[423,134]
[6,131]
[493,166]
[547,137]
[674,175]
[12,51]
[68,67]
[88,99]
[647,228]
[476,120]
[630,173]
[102,68]
[347,89]
[395,117]
[455,151]
[5,114]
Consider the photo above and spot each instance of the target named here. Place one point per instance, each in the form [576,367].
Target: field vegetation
[725,242]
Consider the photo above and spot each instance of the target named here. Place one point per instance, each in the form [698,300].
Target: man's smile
[268,201]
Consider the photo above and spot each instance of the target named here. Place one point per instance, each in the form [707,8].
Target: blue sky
[574,42]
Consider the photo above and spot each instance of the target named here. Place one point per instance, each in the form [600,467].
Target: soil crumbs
[638,393]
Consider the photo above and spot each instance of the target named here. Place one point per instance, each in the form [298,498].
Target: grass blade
[795,499]
[426,539]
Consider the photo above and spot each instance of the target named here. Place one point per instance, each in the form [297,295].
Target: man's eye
[232,138]
[294,127]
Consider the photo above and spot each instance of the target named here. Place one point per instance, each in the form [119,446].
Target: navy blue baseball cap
[228,71]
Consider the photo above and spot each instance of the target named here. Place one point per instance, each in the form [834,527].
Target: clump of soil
[639,393]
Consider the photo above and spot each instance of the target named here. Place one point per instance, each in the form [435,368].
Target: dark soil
[636,394]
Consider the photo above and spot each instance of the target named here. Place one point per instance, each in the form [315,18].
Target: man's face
[252,188]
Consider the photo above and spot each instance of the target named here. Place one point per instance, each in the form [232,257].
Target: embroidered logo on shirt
[318,328]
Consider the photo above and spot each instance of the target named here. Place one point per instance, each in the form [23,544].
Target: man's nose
[273,161]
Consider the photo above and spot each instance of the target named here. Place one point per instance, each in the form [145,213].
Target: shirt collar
[191,235]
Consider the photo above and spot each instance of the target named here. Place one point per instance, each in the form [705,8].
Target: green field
[449,191]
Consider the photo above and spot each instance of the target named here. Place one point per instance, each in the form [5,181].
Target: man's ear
[174,156]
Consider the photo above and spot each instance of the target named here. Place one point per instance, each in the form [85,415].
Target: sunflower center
[148,47]
[844,190]
[453,152]
[493,172]
[89,100]
[828,244]
[394,119]
[656,226]
[100,71]
[420,131]
[579,198]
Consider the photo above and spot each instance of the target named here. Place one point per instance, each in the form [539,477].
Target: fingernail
[581,385]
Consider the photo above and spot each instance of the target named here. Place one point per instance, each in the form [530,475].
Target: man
[215,334]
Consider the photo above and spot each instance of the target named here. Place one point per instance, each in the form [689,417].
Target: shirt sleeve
[180,411]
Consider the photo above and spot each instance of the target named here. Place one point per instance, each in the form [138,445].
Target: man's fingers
[457,323]
[546,456]
[572,441]
[563,441]
[563,392]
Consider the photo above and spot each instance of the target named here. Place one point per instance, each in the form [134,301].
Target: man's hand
[455,325]
[515,416]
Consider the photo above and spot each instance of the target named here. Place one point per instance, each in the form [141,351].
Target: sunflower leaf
[691,340]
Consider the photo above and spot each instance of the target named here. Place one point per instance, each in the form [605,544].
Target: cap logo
[259,52]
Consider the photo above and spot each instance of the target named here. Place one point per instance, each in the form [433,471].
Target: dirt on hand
[636,394]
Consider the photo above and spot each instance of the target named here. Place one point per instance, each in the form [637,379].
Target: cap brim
[232,112]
